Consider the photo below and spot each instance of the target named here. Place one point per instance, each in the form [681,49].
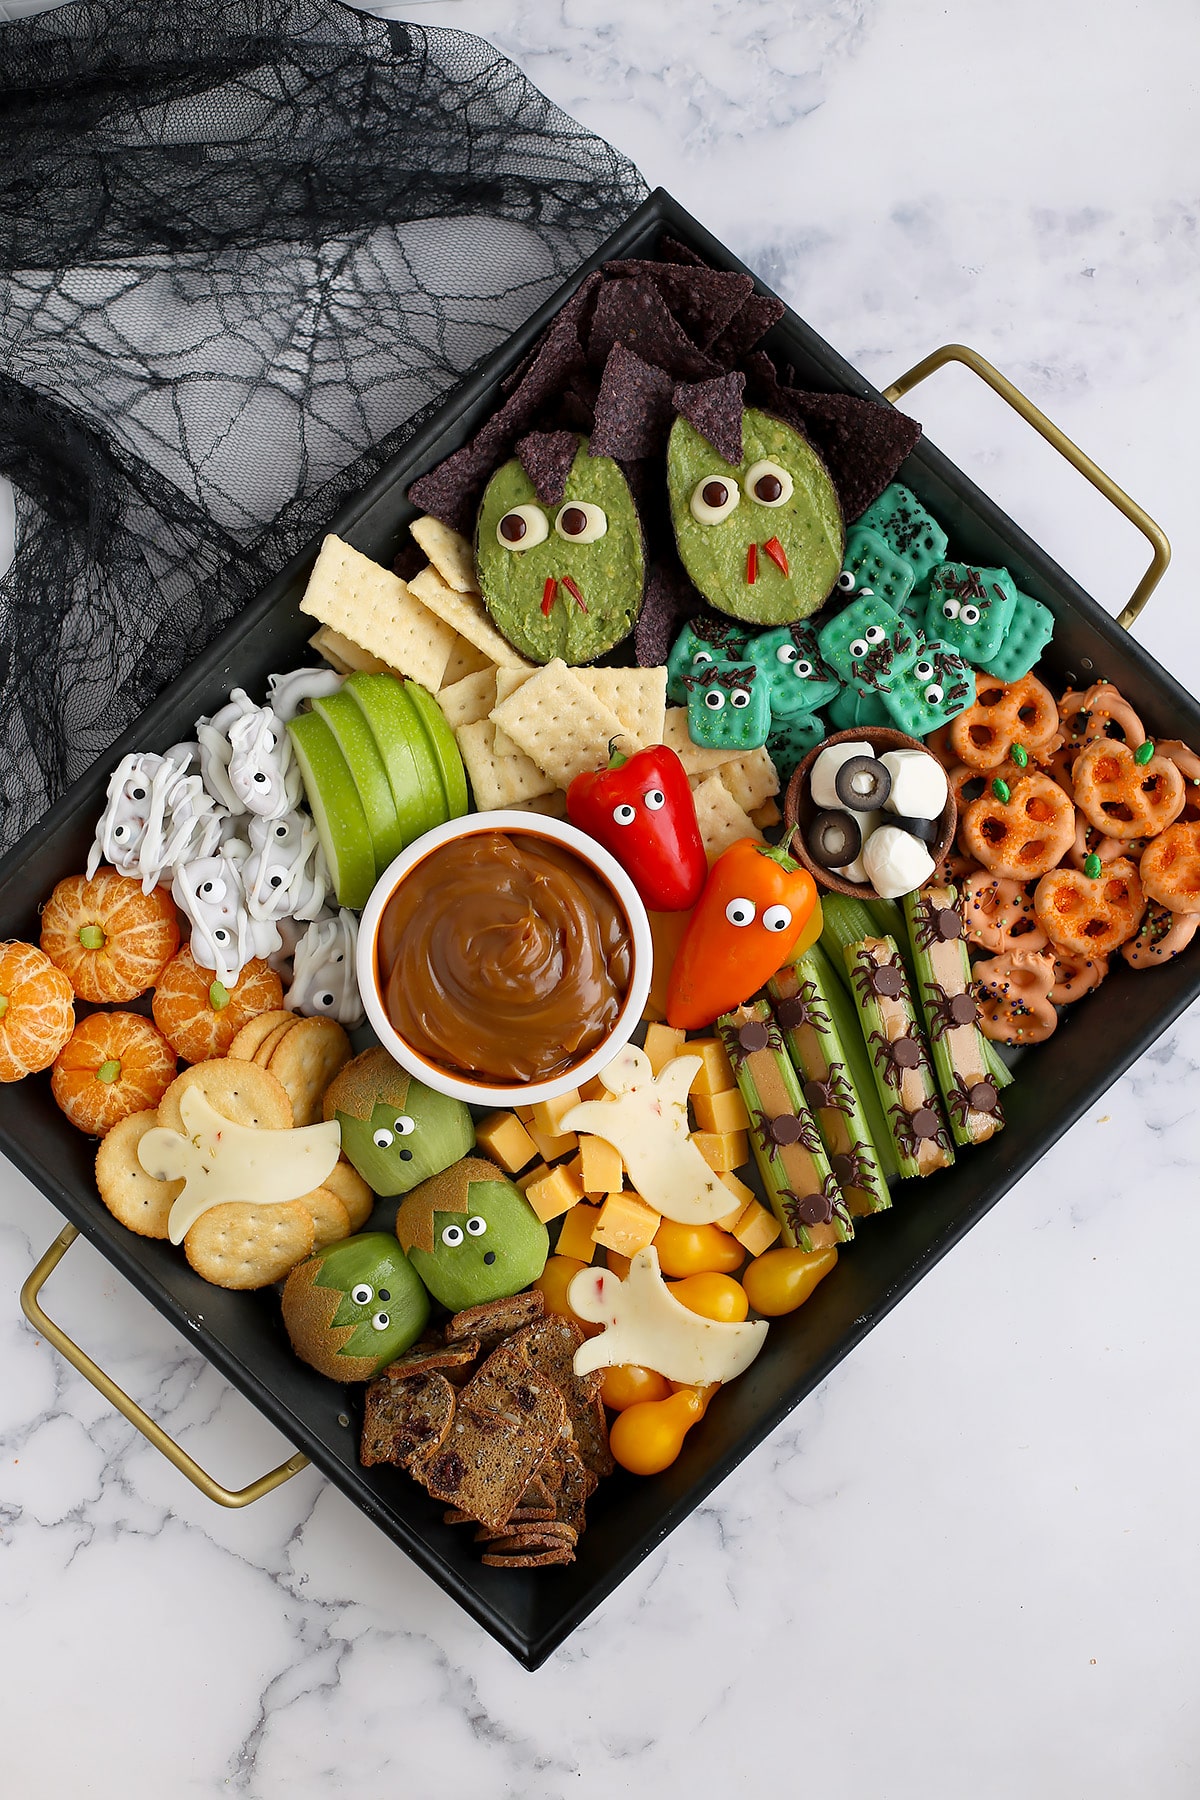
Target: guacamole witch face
[395,1130]
[561,580]
[762,539]
[471,1235]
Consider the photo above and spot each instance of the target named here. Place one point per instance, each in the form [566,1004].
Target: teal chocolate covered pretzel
[875,565]
[913,533]
[970,608]
[797,678]
[707,638]
[729,708]
[868,643]
[934,689]
[1029,631]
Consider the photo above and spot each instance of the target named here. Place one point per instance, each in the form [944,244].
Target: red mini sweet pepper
[641,809]
[755,904]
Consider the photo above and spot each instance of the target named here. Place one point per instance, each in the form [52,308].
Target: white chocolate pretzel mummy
[285,875]
[324,983]
[210,893]
[286,694]
[156,815]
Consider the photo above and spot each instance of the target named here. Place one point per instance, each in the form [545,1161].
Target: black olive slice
[834,839]
[925,829]
[862,783]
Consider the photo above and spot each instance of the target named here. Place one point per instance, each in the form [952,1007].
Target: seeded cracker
[498,782]
[722,821]
[560,724]
[465,614]
[374,608]
[405,1419]
[450,554]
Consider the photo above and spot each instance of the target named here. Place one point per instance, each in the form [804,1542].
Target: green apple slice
[336,809]
[401,741]
[445,750]
[357,744]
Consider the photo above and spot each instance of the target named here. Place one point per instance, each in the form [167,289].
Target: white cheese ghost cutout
[261,769]
[286,694]
[647,1121]
[209,892]
[323,982]
[285,875]
[219,1161]
[645,1324]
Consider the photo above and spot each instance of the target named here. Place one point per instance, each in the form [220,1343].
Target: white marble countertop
[968,1565]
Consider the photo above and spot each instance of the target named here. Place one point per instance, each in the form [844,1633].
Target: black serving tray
[531,1612]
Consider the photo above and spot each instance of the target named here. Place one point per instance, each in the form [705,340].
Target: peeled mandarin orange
[114,1064]
[36,1011]
[110,938]
[199,1016]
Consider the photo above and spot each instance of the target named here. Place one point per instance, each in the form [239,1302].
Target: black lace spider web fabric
[245,249]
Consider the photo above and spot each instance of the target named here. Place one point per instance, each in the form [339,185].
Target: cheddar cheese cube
[503,1137]
[550,1144]
[722,1150]
[524,1182]
[594,1090]
[575,1234]
[548,1114]
[556,1193]
[725,1111]
[716,1074]
[601,1169]
[737,1187]
[663,1044]
[757,1228]
[626,1224]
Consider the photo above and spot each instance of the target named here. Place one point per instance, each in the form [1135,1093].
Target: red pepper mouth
[550,593]
[772,548]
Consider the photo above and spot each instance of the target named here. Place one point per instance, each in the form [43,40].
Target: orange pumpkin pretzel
[1170,868]
[1161,935]
[110,938]
[1090,842]
[1086,917]
[956,865]
[998,914]
[1188,764]
[1023,836]
[1004,713]
[1122,797]
[1075,976]
[1014,997]
[1105,705]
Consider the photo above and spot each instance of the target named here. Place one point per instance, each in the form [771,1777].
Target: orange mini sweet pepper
[755,905]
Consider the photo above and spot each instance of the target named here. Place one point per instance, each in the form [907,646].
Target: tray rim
[531,1648]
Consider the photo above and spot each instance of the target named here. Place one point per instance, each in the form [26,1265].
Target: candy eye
[381,1321]
[382,1139]
[803,670]
[934,694]
[261,780]
[268,740]
[969,615]
[777,918]
[846,581]
[714,699]
[859,647]
[275,881]
[404,1126]
[362,1295]
[767,483]
[923,670]
[713,499]
[624,814]
[786,653]
[522,527]
[281,831]
[874,634]
[120,833]
[701,657]
[739,698]
[476,1225]
[949,609]
[138,793]
[220,935]
[655,800]
[324,1001]
[740,912]
[580,522]
[211,890]
[452,1236]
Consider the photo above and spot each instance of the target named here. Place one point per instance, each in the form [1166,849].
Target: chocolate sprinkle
[754,1035]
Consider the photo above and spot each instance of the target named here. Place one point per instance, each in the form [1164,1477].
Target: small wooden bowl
[798,808]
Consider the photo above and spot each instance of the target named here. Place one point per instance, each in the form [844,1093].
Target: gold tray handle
[154,1433]
[1058,440]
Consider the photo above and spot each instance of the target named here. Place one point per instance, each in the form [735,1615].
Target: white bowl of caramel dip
[504,958]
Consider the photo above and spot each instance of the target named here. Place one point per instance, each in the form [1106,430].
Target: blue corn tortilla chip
[748,325]
[703,300]
[670,601]
[715,409]
[635,314]
[546,457]
[633,409]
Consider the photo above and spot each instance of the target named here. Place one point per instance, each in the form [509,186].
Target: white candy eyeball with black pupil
[119,832]
[859,647]
[701,657]
[934,694]
[381,1321]
[923,670]
[714,699]
[324,1000]
[740,912]
[362,1295]
[969,615]
[803,670]
[874,634]
[476,1225]
[713,499]
[786,653]
[949,609]
[382,1139]
[404,1126]
[739,698]
[624,814]
[769,484]
[655,800]
[220,936]
[138,794]
[846,581]
[281,831]
[777,918]
[452,1235]
[579,522]
[211,890]
[522,527]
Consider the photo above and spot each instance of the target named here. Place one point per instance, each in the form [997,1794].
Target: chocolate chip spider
[885,979]
[804,1007]
[924,1125]
[778,1130]
[946,1012]
[931,925]
[747,1039]
[816,1208]
[834,1093]
[964,1098]
[852,1170]
[895,1056]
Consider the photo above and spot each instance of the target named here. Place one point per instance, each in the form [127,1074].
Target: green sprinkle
[1002,791]
[1093,868]
[1019,755]
[91,937]
[1144,752]
[108,1071]
[218,996]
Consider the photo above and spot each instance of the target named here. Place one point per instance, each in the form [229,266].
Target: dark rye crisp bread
[431,1354]
[549,1348]
[493,1320]
[484,1464]
[405,1420]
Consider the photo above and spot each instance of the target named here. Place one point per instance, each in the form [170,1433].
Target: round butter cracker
[239,1091]
[135,1199]
[306,1061]
[244,1246]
